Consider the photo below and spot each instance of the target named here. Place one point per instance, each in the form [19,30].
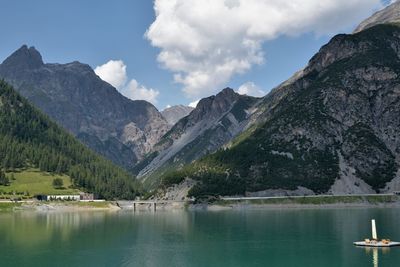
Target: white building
[63,197]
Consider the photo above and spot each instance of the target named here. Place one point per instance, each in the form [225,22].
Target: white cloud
[207,42]
[194,104]
[114,72]
[251,89]
[136,91]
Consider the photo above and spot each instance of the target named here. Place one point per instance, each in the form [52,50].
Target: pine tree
[3,179]
[58,183]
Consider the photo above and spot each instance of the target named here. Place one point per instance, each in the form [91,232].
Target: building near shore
[76,197]
[86,197]
[62,197]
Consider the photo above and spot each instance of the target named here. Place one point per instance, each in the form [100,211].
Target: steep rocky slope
[390,14]
[213,123]
[334,127]
[175,113]
[76,98]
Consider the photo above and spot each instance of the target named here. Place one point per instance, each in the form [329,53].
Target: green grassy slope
[33,182]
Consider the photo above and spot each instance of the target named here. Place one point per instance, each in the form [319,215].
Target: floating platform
[377,244]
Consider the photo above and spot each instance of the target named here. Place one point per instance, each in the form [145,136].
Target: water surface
[227,238]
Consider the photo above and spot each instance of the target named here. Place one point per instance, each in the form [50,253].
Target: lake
[309,237]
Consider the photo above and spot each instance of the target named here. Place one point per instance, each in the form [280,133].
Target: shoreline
[282,203]
[217,207]
[33,206]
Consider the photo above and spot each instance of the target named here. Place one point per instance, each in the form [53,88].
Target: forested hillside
[29,138]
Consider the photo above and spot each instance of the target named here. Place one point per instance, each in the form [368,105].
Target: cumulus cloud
[136,91]
[114,72]
[194,104]
[207,42]
[250,89]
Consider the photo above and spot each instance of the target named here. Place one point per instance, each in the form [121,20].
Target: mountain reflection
[226,238]
[31,229]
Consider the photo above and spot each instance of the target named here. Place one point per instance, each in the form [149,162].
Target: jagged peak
[24,57]
[227,91]
[226,94]
[390,14]
[215,105]
[175,113]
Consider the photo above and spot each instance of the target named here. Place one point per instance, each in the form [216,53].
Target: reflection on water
[375,254]
[375,257]
[33,229]
[229,238]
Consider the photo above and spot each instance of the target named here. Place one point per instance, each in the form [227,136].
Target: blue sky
[95,32]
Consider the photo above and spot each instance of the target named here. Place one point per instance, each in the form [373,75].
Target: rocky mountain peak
[214,106]
[390,14]
[227,92]
[175,113]
[24,57]
[213,123]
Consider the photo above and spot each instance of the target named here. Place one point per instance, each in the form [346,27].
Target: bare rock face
[76,98]
[390,14]
[343,109]
[175,113]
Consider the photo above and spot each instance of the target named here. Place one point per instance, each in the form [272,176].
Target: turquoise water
[227,238]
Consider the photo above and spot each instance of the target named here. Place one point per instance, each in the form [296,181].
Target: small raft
[375,242]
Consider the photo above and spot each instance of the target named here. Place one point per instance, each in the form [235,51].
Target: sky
[177,51]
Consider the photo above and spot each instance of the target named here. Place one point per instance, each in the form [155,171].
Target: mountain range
[332,128]
[95,112]
[212,124]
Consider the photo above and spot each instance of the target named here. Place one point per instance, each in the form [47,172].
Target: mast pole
[374,234]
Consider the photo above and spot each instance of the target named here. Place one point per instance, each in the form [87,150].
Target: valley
[332,128]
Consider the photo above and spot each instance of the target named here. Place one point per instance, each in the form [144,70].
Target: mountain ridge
[175,113]
[212,124]
[121,129]
[331,129]
[390,14]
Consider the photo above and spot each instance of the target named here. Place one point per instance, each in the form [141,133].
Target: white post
[374,234]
